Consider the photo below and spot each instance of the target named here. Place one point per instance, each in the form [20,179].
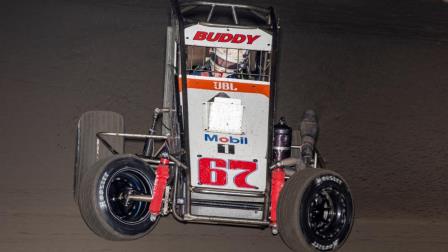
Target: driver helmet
[225,62]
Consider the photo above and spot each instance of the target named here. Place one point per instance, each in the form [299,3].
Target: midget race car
[215,152]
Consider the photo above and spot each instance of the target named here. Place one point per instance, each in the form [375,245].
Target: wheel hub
[123,183]
[326,213]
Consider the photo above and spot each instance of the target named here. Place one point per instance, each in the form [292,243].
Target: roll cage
[182,17]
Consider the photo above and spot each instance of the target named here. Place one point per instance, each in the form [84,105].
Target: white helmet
[224,61]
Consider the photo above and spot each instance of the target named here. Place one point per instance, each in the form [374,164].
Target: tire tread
[89,124]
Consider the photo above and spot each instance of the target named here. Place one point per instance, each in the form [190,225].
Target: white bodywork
[228,119]
[240,120]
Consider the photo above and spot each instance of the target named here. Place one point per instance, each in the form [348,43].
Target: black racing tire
[87,154]
[315,211]
[102,206]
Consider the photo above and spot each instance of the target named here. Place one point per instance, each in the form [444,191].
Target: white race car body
[228,120]
[228,136]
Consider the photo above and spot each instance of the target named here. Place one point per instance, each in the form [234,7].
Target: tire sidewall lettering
[101,191]
[326,178]
[323,247]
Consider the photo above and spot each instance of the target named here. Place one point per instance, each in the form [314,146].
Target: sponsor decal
[225,37]
[220,85]
[226,148]
[225,139]
[241,86]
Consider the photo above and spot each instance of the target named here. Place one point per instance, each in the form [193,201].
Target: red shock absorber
[162,174]
[277,182]
[281,148]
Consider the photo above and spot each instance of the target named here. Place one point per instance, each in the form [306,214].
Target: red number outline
[206,171]
[248,167]
[221,169]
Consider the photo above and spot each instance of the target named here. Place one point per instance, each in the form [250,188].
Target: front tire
[102,200]
[315,211]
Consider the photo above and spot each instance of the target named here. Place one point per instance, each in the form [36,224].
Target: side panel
[237,160]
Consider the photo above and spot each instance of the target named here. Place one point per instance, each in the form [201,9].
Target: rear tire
[102,200]
[87,154]
[315,211]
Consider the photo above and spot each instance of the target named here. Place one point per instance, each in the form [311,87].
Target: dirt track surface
[379,85]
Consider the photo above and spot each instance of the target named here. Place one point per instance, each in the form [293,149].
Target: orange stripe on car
[227,86]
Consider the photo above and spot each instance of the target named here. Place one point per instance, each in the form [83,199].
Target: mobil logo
[225,139]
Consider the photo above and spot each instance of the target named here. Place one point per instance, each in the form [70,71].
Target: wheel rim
[326,219]
[124,182]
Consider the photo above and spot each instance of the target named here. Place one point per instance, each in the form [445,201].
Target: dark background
[375,71]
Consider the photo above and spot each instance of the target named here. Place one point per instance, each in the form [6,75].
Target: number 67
[213,171]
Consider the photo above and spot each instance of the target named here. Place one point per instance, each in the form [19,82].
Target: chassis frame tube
[100,137]
[222,220]
[135,136]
